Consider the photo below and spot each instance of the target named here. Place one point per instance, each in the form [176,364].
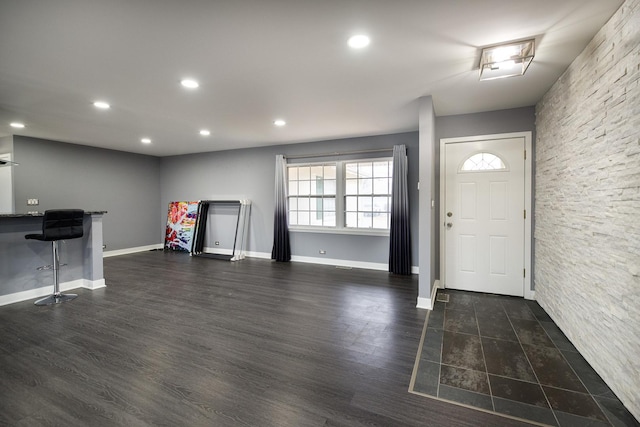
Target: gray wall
[64,175]
[136,189]
[250,173]
[427,202]
[501,121]
[488,123]
[6,144]
[588,204]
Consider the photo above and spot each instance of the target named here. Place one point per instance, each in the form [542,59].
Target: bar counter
[19,258]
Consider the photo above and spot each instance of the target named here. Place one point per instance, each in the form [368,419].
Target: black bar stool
[58,224]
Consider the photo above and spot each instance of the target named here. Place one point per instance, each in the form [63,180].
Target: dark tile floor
[506,355]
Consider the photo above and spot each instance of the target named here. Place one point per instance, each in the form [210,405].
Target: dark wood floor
[181,341]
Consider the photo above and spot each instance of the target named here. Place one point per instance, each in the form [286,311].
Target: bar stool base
[56,299]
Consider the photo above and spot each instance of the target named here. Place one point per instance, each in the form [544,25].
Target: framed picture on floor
[181,221]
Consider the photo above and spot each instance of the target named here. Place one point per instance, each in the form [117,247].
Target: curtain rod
[336,153]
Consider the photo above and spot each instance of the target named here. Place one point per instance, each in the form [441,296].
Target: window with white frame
[368,194]
[312,195]
[342,195]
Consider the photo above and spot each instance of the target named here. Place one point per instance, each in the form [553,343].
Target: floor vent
[442,298]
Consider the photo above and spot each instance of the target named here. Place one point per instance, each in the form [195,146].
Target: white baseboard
[127,251]
[267,255]
[48,290]
[218,251]
[261,255]
[94,284]
[340,262]
[25,295]
[427,303]
[332,261]
[424,303]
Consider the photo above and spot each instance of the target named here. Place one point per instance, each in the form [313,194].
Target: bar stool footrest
[48,267]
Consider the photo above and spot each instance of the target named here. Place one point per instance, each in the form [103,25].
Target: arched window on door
[483,161]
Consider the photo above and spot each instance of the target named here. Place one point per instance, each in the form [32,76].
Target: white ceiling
[258,60]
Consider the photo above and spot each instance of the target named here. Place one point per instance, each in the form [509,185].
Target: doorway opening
[485,214]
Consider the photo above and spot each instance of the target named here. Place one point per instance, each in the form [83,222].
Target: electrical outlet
[33,202]
[322,252]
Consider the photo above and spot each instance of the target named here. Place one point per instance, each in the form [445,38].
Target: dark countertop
[26,215]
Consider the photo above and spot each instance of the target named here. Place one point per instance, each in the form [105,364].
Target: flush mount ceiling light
[146,140]
[102,105]
[359,41]
[506,60]
[205,132]
[17,125]
[189,83]
[279,122]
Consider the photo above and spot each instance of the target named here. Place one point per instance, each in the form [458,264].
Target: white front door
[485,216]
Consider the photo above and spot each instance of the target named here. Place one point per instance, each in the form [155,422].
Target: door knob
[449,224]
[449,214]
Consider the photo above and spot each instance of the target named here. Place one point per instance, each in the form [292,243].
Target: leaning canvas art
[181,221]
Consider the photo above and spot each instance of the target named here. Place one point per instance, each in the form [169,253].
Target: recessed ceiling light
[102,105]
[279,122]
[189,83]
[146,140]
[359,41]
[17,125]
[205,132]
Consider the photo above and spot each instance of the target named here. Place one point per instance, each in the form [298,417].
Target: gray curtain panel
[281,249]
[400,237]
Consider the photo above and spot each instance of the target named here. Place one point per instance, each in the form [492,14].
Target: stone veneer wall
[587,235]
